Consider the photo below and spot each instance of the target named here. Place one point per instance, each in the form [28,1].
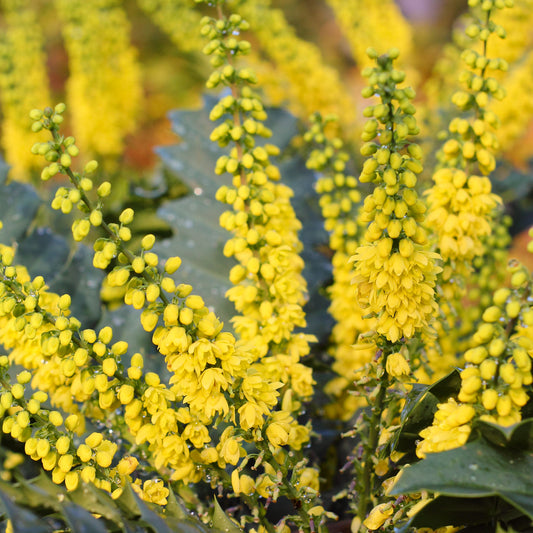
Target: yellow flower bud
[127,465]
[94,439]
[63,444]
[109,366]
[65,462]
[88,474]
[72,480]
[126,394]
[489,399]
[172,264]
[194,302]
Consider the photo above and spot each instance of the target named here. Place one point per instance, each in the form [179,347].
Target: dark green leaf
[38,496]
[18,205]
[454,511]
[44,254]
[420,408]
[174,507]
[518,435]
[96,501]
[23,521]
[476,470]
[82,281]
[82,521]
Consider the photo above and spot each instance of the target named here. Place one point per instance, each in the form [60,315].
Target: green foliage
[39,505]
[476,484]
[486,481]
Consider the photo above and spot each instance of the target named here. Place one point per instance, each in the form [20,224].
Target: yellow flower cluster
[339,202]
[368,23]
[23,82]
[498,369]
[395,274]
[461,204]
[269,289]
[56,357]
[212,378]
[311,84]
[104,86]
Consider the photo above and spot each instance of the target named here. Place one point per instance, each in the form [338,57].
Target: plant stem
[366,481]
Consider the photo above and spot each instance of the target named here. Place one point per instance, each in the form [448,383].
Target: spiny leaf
[222,521]
[518,435]
[476,470]
[96,501]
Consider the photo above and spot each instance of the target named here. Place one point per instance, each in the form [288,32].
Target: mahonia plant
[414,290]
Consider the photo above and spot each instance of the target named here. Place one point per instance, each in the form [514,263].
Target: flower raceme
[497,374]
[269,289]
[395,273]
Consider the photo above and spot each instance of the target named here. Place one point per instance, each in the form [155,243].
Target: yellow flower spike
[20,91]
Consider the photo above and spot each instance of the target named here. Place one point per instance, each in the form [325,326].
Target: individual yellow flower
[155,491]
[397,365]
[378,516]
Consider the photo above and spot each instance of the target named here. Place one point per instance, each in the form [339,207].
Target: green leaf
[420,408]
[81,520]
[18,206]
[174,507]
[96,501]
[518,435]
[223,522]
[476,470]
[39,497]
[47,254]
[23,521]
[454,511]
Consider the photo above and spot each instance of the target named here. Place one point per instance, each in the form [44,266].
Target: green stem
[370,447]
